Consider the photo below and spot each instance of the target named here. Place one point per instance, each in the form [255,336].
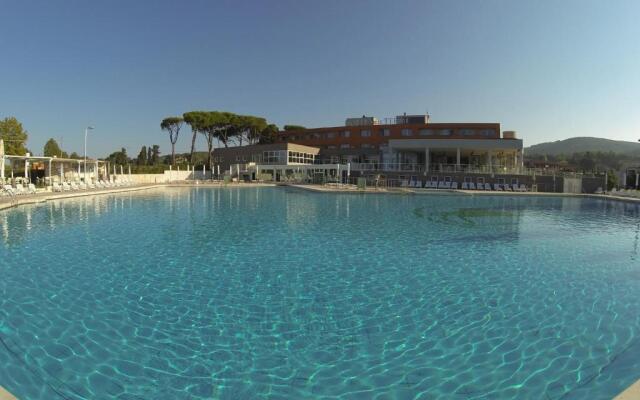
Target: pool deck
[4,395]
[631,393]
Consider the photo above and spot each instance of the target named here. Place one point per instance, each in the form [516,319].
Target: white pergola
[78,169]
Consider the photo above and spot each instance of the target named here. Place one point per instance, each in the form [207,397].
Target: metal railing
[464,168]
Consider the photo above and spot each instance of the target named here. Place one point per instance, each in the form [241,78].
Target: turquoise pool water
[274,293]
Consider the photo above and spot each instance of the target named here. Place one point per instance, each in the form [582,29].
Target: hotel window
[345,146]
[385,132]
[425,132]
[481,180]
[406,132]
[331,146]
[467,132]
[445,132]
[468,179]
[307,137]
[331,135]
[345,134]
[300,158]
[367,146]
[272,157]
[487,132]
[316,136]
[365,133]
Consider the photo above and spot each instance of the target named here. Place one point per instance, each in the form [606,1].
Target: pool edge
[630,393]
[5,395]
[43,197]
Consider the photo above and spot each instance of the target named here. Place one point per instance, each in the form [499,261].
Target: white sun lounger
[9,190]
[496,186]
[20,189]
[31,188]
[454,185]
[465,185]
[506,187]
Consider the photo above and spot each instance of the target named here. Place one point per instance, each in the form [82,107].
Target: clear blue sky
[548,69]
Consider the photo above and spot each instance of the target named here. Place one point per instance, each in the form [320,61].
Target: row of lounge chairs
[500,187]
[72,186]
[18,189]
[625,193]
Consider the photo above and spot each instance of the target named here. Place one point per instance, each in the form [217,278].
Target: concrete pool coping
[632,392]
[18,200]
[13,201]
[5,395]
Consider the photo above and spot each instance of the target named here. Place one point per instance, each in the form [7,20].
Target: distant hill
[581,145]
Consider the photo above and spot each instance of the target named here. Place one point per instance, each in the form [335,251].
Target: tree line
[221,127]
[14,136]
[588,161]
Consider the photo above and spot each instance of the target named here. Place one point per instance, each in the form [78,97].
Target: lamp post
[86,130]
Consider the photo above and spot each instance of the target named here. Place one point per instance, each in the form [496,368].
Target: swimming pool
[280,293]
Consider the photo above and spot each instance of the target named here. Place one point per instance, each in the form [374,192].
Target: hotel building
[412,143]
[396,150]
